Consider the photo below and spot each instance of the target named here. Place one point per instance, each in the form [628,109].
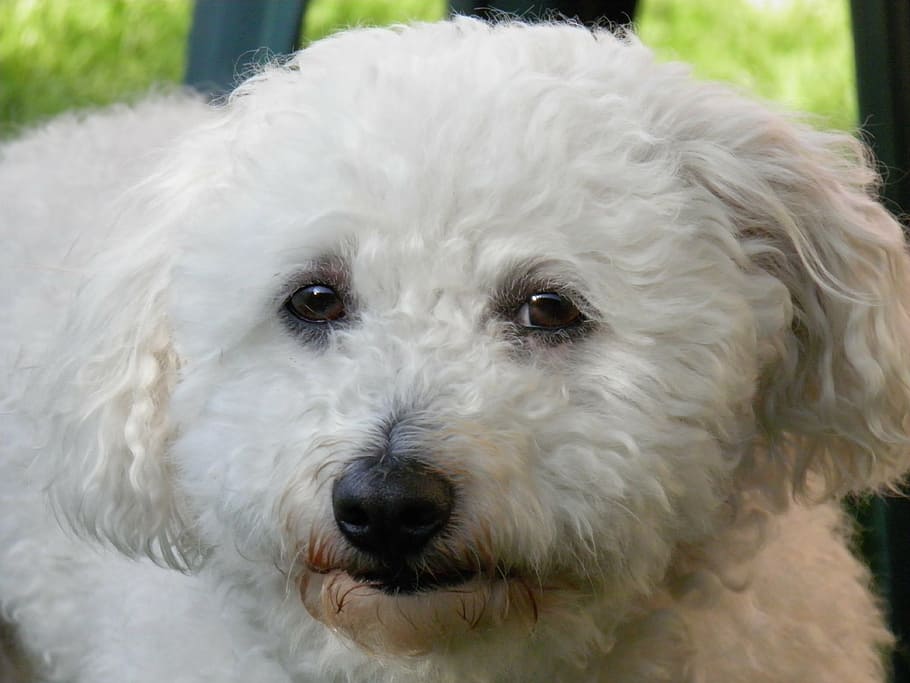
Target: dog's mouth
[404,580]
[407,611]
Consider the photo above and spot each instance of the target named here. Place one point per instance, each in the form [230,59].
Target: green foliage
[63,54]
[327,16]
[796,52]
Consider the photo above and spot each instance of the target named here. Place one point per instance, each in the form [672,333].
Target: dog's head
[460,329]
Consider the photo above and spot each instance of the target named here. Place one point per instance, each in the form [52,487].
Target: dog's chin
[412,617]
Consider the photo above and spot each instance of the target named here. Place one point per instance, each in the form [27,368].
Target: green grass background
[62,54]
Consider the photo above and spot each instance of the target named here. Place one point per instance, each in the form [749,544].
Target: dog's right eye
[315,304]
[548,311]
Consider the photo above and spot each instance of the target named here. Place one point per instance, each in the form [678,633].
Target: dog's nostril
[352,514]
[419,515]
[391,508]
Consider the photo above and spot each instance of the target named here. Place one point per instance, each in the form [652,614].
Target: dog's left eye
[548,311]
[315,304]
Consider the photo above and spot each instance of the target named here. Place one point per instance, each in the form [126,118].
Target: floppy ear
[103,398]
[836,400]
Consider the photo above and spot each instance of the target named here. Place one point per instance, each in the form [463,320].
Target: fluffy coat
[648,496]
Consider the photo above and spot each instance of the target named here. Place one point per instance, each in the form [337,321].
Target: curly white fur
[649,500]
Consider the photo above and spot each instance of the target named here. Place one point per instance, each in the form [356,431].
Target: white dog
[454,352]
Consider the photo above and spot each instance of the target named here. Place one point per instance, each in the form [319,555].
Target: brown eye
[315,304]
[548,311]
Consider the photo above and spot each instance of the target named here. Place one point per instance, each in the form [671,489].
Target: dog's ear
[105,393]
[834,403]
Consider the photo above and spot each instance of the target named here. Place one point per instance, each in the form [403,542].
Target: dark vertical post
[227,35]
[881,32]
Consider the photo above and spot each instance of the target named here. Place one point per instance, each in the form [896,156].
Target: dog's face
[460,358]
[476,326]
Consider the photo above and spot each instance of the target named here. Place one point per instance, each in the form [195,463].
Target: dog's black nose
[391,507]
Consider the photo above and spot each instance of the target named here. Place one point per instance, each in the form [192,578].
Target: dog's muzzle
[390,508]
[404,571]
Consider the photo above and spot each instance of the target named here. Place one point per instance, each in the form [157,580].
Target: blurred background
[63,54]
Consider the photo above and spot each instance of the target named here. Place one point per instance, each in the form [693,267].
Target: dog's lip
[417,622]
[407,581]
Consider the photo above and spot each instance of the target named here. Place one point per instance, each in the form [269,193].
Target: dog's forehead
[450,113]
[449,145]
